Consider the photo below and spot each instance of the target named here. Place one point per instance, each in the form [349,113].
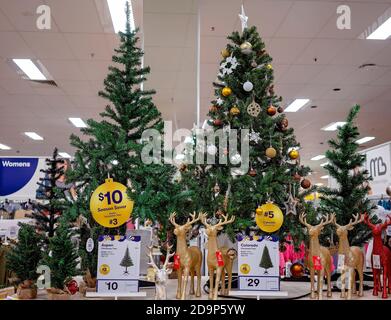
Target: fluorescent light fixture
[333,126]
[4,147]
[33,135]
[319,157]
[78,122]
[324,177]
[324,164]
[64,155]
[382,32]
[296,105]
[30,69]
[365,139]
[118,15]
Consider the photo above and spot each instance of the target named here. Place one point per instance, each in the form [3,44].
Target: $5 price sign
[110,205]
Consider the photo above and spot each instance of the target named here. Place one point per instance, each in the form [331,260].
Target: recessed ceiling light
[324,177]
[319,157]
[296,105]
[64,155]
[4,147]
[30,69]
[382,32]
[365,139]
[78,122]
[333,126]
[337,89]
[114,162]
[118,16]
[33,135]
[324,164]
[314,107]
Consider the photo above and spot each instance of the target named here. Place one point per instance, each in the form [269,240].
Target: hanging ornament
[271,110]
[225,53]
[253,109]
[388,190]
[280,109]
[246,47]
[297,270]
[182,167]
[261,52]
[283,124]
[236,159]
[271,90]
[234,111]
[213,109]
[216,188]
[271,152]
[248,86]
[269,217]
[228,66]
[296,177]
[254,137]
[211,149]
[269,66]
[217,122]
[219,101]
[226,91]
[305,184]
[293,154]
[252,172]
[291,203]
[254,64]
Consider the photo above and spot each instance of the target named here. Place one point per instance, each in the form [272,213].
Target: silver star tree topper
[243,19]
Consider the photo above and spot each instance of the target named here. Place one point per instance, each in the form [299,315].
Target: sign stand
[116,295]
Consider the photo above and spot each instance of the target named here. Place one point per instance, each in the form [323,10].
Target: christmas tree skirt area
[296,290]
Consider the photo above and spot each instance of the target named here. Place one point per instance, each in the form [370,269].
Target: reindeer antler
[356,220]
[172,220]
[203,216]
[303,220]
[168,256]
[151,262]
[193,219]
[225,220]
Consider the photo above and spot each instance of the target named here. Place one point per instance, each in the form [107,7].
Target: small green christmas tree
[345,165]
[62,256]
[266,261]
[24,258]
[126,261]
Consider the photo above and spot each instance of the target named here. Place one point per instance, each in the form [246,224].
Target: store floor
[294,289]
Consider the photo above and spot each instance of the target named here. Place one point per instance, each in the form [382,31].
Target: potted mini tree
[23,260]
[62,261]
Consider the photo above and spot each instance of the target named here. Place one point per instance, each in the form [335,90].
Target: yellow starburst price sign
[110,205]
[269,217]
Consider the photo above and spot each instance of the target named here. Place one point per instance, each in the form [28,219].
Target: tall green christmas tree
[114,146]
[126,261]
[345,166]
[245,99]
[25,256]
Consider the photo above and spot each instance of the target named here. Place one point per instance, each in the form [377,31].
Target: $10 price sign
[110,205]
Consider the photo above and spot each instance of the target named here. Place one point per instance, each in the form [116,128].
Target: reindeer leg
[343,282]
[350,284]
[312,276]
[320,284]
[198,292]
[328,275]
[375,282]
[385,274]
[185,280]
[229,280]
[361,278]
[192,271]
[216,288]
[211,274]
[179,289]
[354,289]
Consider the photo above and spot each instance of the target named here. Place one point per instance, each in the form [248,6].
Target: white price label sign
[376,261]
[118,286]
[388,231]
[259,283]
[341,262]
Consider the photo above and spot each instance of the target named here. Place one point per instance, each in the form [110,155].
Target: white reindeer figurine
[161,275]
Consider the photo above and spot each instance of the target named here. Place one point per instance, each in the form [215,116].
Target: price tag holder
[376,261]
[117,286]
[110,205]
[259,283]
[341,262]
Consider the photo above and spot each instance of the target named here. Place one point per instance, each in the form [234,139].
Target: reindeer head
[343,230]
[377,229]
[181,230]
[314,231]
[211,230]
[161,275]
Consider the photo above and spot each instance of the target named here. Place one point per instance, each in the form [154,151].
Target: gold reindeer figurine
[227,256]
[353,257]
[316,250]
[190,258]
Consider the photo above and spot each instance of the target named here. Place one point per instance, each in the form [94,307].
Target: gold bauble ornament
[225,53]
[246,47]
[226,91]
[234,111]
[269,66]
[297,270]
[271,152]
[293,154]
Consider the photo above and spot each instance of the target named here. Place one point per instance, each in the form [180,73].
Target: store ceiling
[78,49]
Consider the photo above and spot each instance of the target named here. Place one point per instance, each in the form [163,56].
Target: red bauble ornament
[271,110]
[280,109]
[297,177]
[72,286]
[217,122]
[297,270]
[305,184]
[252,173]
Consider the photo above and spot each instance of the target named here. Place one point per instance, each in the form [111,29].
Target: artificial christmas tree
[266,261]
[345,165]
[126,261]
[245,100]
[52,197]
[61,258]
[113,147]
[23,260]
